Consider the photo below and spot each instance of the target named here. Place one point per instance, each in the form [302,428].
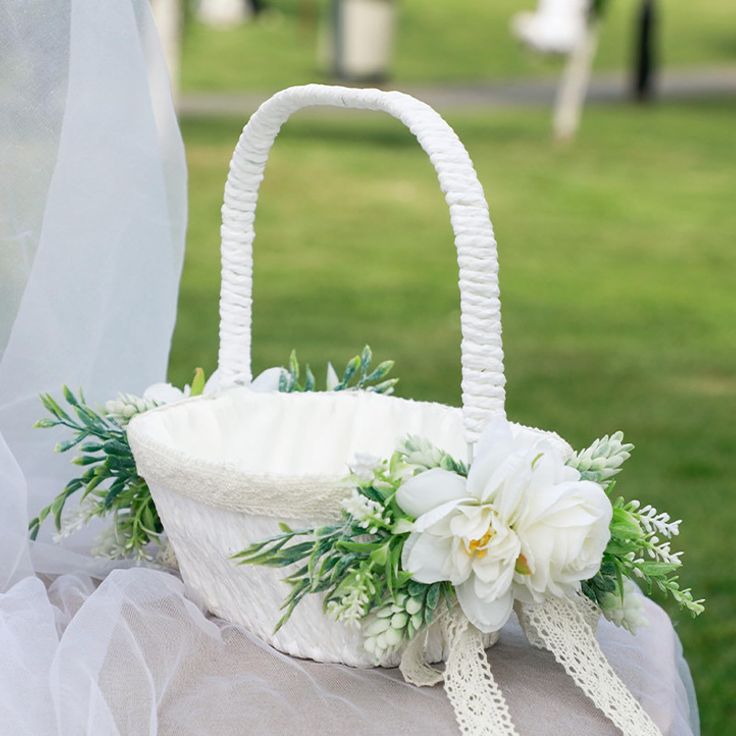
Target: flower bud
[377,626]
[393,637]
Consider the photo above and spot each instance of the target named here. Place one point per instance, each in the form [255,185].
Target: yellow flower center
[477,547]
[522,566]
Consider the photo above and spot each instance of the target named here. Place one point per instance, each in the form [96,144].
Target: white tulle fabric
[92,217]
[92,213]
[135,657]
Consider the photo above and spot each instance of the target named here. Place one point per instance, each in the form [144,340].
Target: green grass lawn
[618,265]
[440,41]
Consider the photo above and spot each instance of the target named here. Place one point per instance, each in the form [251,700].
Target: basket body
[204,537]
[216,492]
[225,469]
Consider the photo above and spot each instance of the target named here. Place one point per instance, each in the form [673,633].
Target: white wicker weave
[224,469]
[482,357]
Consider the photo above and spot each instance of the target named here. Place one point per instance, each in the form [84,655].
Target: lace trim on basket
[223,486]
[559,625]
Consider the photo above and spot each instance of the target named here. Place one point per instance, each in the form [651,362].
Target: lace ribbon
[476,698]
[558,625]
[561,627]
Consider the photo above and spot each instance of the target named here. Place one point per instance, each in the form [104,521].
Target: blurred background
[617,245]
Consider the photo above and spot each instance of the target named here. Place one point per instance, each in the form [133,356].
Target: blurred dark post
[645,57]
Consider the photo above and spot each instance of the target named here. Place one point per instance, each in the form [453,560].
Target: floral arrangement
[525,520]
[109,485]
[421,531]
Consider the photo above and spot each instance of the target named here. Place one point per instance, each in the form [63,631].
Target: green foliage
[109,483]
[353,572]
[603,459]
[357,375]
[637,551]
[402,616]
[423,455]
[356,565]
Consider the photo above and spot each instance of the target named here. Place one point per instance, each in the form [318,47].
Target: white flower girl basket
[224,469]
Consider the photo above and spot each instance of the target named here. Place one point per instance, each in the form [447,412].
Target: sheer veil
[92,217]
[92,221]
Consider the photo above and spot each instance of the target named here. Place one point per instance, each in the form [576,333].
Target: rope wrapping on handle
[482,355]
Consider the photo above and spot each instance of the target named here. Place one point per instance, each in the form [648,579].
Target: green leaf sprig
[356,375]
[109,484]
[639,547]
[356,564]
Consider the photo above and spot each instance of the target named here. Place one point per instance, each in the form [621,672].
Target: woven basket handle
[482,355]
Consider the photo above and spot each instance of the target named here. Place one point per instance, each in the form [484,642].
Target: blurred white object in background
[556,27]
[223,12]
[361,39]
[574,83]
[567,27]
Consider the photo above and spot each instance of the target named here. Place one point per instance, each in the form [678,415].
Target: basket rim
[224,485]
[137,430]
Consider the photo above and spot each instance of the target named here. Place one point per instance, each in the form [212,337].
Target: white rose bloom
[523,525]
[165,393]
[364,466]
[268,380]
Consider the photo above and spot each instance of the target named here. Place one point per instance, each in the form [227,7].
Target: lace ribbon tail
[479,706]
[414,666]
[558,625]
